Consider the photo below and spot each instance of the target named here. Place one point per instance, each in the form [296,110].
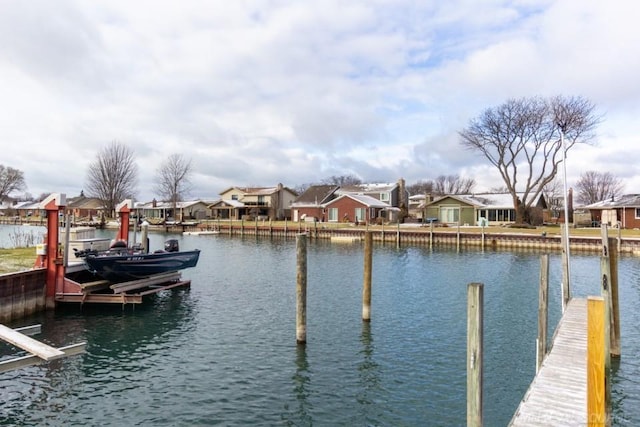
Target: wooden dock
[558,393]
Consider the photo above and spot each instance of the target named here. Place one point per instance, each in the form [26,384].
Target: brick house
[357,208]
[624,211]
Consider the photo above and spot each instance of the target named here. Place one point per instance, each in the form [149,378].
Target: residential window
[361,214]
[384,197]
[637,213]
[449,214]
[260,200]
[333,214]
[234,197]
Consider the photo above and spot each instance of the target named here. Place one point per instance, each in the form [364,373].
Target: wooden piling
[145,237]
[615,302]
[458,239]
[596,370]
[301,289]
[566,279]
[543,305]
[474,353]
[430,234]
[366,288]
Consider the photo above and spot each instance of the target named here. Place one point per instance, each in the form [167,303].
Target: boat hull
[119,268]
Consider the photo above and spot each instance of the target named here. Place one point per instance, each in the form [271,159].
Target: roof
[316,195]
[82,202]
[626,201]
[232,203]
[259,191]
[370,202]
[485,200]
[367,188]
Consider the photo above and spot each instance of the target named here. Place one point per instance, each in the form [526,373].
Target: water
[224,352]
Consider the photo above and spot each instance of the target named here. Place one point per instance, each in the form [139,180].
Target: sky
[257,93]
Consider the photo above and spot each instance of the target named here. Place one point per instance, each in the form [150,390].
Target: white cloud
[261,92]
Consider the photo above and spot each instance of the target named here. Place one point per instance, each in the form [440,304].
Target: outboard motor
[171,245]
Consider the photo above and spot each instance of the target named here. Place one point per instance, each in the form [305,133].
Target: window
[384,197]
[637,213]
[449,214]
[234,197]
[361,214]
[333,214]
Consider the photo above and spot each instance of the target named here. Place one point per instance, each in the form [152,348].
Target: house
[357,208]
[474,209]
[623,211]
[309,206]
[258,202]
[312,203]
[89,208]
[185,211]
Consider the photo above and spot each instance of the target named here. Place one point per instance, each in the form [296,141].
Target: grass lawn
[19,259]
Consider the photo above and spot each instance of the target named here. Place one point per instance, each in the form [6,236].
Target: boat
[120,263]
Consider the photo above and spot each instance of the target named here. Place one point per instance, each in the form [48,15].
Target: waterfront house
[358,208]
[312,204]
[623,211]
[309,206]
[85,208]
[190,210]
[477,209]
[254,203]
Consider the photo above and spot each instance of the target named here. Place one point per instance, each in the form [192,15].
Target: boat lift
[62,284]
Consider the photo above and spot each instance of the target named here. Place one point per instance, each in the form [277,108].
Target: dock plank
[24,342]
[558,393]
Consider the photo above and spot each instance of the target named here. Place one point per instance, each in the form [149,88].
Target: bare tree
[421,187]
[553,194]
[342,180]
[595,186]
[522,139]
[113,176]
[10,180]
[453,184]
[173,179]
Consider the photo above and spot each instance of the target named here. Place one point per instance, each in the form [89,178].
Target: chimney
[154,203]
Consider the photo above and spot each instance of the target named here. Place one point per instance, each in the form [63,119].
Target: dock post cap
[124,206]
[54,200]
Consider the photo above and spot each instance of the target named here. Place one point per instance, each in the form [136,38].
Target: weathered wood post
[366,287]
[615,302]
[270,228]
[605,289]
[231,226]
[301,289]
[285,228]
[543,310]
[458,238]
[398,236]
[145,237]
[255,228]
[482,243]
[474,353]
[566,274]
[430,234]
[382,233]
[597,383]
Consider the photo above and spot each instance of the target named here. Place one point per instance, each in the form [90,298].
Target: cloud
[262,92]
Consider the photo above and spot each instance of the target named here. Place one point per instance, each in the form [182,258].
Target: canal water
[224,351]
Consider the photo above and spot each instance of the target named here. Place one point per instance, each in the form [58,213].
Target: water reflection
[369,376]
[301,381]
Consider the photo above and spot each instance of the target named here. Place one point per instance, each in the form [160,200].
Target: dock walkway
[558,393]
